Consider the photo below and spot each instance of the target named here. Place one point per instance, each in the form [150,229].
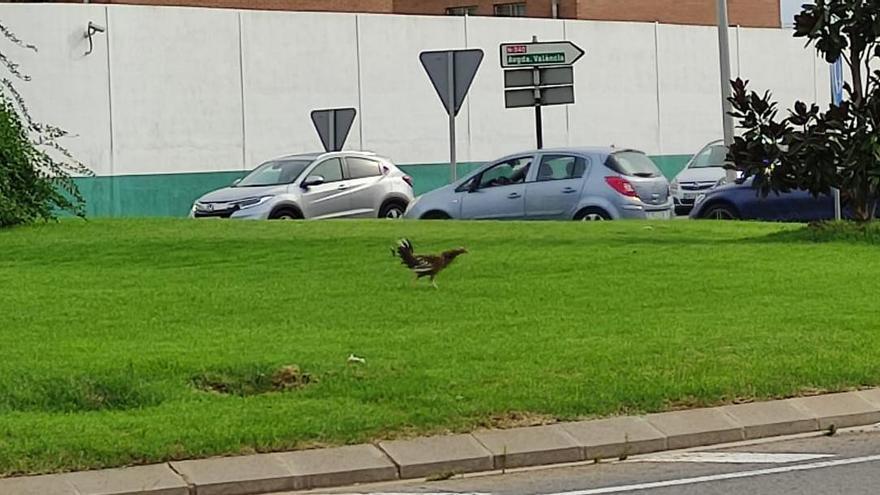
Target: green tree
[35,168]
[810,149]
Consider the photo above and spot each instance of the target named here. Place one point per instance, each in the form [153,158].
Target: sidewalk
[479,451]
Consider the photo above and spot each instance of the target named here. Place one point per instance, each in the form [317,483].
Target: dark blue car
[740,201]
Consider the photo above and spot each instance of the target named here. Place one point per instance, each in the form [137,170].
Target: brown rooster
[425,265]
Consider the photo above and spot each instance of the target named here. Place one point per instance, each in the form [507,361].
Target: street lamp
[724,57]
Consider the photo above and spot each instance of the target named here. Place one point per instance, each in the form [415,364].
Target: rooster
[425,265]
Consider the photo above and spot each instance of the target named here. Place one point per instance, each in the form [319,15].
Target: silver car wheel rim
[722,214]
[394,213]
[592,217]
[285,217]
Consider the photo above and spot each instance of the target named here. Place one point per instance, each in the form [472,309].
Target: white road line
[731,457]
[720,477]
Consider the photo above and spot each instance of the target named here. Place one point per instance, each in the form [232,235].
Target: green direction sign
[538,54]
[536,59]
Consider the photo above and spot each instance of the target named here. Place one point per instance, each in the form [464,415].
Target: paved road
[847,463]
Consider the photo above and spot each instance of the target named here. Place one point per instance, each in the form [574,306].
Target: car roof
[315,155]
[577,150]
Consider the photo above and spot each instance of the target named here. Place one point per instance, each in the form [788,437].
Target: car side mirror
[235,182]
[473,186]
[312,180]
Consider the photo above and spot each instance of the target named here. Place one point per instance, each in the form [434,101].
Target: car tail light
[408,180]
[622,186]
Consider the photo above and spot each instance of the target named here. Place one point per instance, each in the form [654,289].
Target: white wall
[616,85]
[293,64]
[68,89]
[400,113]
[183,90]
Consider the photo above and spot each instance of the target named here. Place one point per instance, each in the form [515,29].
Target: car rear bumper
[634,211]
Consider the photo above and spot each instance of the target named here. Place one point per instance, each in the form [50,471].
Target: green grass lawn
[107,326]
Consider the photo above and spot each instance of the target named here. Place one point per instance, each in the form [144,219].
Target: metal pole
[450,70]
[724,56]
[539,128]
[539,124]
[332,135]
[837,213]
[836,97]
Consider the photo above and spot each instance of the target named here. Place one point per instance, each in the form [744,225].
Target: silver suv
[316,185]
[567,183]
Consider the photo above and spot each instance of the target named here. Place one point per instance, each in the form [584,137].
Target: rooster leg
[433,283]
[414,281]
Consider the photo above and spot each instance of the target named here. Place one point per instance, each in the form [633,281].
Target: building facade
[746,13]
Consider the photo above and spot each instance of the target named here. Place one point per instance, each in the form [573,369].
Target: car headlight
[251,202]
[673,187]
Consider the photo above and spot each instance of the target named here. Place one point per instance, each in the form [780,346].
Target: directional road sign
[539,54]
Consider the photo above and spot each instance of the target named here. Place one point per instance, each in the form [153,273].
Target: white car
[702,172]
[316,185]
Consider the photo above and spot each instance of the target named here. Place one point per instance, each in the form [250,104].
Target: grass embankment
[112,331]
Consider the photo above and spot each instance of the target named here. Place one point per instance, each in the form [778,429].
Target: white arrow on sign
[539,54]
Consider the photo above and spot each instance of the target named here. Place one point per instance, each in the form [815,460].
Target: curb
[458,454]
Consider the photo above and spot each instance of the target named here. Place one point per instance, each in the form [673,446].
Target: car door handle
[342,186]
[569,190]
[514,195]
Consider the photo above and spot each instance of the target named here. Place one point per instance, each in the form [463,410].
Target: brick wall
[750,13]
[534,8]
[371,6]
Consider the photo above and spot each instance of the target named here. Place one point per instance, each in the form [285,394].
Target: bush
[34,185]
[28,189]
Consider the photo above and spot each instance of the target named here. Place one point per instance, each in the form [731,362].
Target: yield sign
[451,73]
[333,125]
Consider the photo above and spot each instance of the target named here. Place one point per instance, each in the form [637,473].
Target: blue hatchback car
[740,200]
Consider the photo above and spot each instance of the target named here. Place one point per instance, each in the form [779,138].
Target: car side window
[358,168]
[509,172]
[561,167]
[330,170]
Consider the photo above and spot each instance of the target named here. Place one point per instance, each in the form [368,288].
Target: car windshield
[633,163]
[712,156]
[274,173]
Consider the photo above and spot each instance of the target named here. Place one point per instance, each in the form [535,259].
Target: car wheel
[285,214]
[592,215]
[435,215]
[721,212]
[392,210]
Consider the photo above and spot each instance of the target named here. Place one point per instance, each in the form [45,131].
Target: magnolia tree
[818,150]
[35,169]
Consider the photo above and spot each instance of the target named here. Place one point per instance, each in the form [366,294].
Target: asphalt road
[847,463]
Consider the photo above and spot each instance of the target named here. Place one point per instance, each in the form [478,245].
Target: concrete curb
[478,451]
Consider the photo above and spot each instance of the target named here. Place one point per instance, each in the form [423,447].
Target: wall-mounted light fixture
[92,29]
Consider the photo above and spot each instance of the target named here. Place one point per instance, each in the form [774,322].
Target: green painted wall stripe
[172,195]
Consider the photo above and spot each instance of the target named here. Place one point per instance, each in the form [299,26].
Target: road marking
[721,477]
[732,457]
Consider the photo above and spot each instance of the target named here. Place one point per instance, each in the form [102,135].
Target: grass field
[110,328]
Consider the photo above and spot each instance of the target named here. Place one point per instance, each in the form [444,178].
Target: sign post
[452,72]
[837,98]
[333,125]
[537,74]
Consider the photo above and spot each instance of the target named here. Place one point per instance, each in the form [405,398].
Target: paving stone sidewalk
[479,451]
